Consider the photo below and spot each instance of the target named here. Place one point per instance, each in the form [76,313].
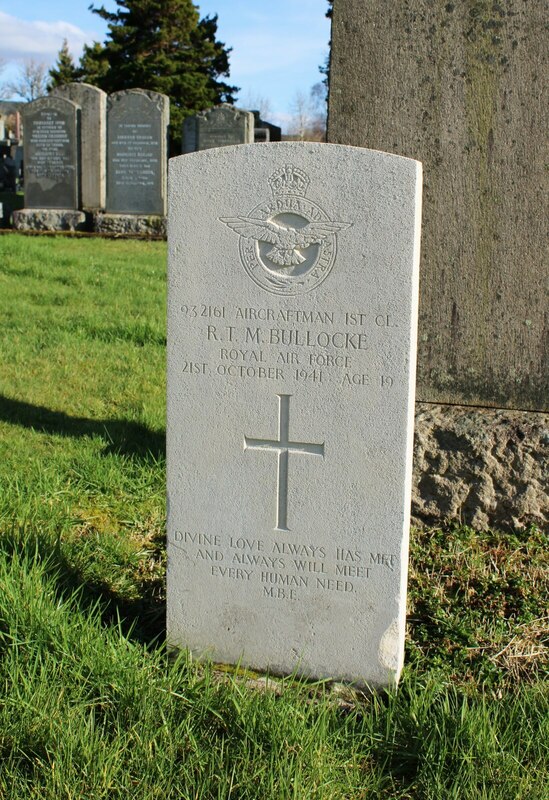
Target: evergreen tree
[94,65]
[64,71]
[161,45]
[325,68]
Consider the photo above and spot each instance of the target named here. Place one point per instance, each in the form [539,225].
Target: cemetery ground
[92,706]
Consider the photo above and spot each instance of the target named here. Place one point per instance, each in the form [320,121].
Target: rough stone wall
[461,86]
[482,467]
[49,219]
[131,224]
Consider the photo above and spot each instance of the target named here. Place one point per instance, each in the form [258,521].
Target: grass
[91,706]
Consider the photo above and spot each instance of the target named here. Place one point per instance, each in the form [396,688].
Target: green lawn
[91,706]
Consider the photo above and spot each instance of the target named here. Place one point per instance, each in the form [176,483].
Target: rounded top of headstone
[77,89]
[224,109]
[57,103]
[161,101]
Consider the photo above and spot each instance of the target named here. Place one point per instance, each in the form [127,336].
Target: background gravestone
[460,86]
[265,131]
[217,127]
[52,158]
[93,105]
[291,347]
[137,137]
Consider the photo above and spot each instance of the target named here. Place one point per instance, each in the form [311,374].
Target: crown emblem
[289,180]
[287,244]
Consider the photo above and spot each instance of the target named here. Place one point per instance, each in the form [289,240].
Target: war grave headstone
[217,127]
[478,123]
[137,141]
[52,166]
[93,129]
[293,274]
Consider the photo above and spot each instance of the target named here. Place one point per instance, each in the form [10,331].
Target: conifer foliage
[65,70]
[164,46]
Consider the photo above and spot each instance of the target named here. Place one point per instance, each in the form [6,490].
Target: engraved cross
[283,446]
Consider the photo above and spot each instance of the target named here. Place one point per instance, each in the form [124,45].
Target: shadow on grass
[142,619]
[124,437]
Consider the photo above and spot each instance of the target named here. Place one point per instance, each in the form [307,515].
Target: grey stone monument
[52,153]
[217,127]
[137,140]
[52,166]
[478,122]
[293,279]
[460,87]
[93,105]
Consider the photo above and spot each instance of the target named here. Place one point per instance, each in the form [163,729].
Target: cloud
[20,40]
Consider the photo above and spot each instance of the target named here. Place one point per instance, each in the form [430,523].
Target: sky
[277,47]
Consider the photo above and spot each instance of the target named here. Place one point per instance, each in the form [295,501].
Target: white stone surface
[292,313]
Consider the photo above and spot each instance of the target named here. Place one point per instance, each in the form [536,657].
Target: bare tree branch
[4,91]
[308,122]
[31,82]
[256,102]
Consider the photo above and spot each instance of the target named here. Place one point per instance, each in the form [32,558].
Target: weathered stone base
[152,225]
[49,219]
[482,467]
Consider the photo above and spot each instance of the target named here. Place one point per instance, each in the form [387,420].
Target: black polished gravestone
[137,131]
[52,153]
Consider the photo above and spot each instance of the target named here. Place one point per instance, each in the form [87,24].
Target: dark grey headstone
[262,135]
[51,153]
[137,133]
[217,127]
[274,132]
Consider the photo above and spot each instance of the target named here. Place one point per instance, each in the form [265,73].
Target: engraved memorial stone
[93,105]
[137,130]
[217,127]
[292,316]
[52,153]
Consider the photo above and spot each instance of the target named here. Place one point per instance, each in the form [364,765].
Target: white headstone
[293,277]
